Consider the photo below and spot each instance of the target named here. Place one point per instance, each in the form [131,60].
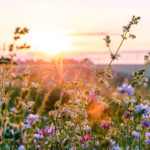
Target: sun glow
[49,42]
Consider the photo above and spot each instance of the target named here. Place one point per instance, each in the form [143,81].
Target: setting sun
[49,42]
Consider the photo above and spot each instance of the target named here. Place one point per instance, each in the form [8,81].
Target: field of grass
[74,106]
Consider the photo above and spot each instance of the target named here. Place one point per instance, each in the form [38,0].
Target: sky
[75,25]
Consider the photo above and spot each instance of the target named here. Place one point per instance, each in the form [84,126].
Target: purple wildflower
[147,135]
[31,119]
[139,108]
[35,141]
[41,147]
[105,125]
[147,141]
[147,109]
[146,123]
[136,134]
[125,88]
[38,136]
[127,115]
[116,148]
[145,116]
[52,129]
[45,130]
[92,95]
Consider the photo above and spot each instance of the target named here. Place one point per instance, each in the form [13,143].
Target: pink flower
[45,130]
[86,138]
[81,141]
[41,134]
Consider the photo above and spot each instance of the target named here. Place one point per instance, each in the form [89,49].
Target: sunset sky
[75,25]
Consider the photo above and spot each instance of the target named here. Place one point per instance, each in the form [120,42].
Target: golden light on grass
[52,42]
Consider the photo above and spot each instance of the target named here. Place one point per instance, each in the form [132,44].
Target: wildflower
[136,134]
[86,138]
[116,148]
[147,135]
[92,95]
[41,147]
[73,148]
[86,146]
[127,115]
[105,125]
[128,148]
[126,89]
[45,129]
[147,142]
[38,136]
[31,119]
[87,128]
[113,143]
[145,116]
[81,141]
[146,123]
[97,143]
[25,134]
[64,140]
[35,141]
[21,147]
[7,84]
[139,108]
[147,109]
[52,129]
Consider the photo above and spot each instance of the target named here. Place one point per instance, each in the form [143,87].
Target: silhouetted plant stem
[123,39]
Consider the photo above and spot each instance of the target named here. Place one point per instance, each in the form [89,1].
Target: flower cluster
[136,135]
[93,115]
[125,88]
[31,120]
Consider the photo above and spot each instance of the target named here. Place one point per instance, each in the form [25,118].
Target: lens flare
[95,109]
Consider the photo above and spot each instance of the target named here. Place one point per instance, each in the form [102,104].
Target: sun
[49,42]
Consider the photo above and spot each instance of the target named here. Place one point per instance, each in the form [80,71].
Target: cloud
[91,34]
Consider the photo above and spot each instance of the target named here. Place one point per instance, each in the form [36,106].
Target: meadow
[73,107]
